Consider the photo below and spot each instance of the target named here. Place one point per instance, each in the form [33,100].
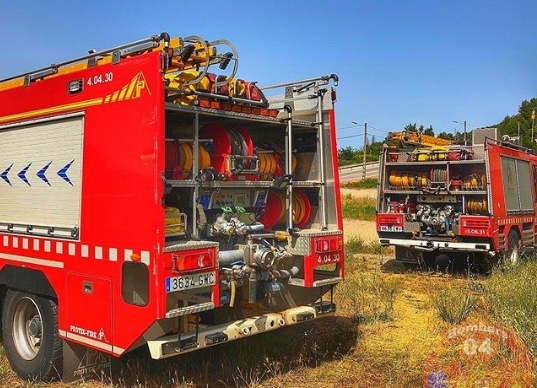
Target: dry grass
[454,304]
[385,350]
[386,333]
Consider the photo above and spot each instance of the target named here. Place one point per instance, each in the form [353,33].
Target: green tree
[347,153]
[445,135]
[520,124]
[414,128]
[411,127]
[373,151]
[429,131]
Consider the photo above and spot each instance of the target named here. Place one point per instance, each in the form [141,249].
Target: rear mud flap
[80,362]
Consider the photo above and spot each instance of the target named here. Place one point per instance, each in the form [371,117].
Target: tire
[31,341]
[512,256]
[429,260]
[410,266]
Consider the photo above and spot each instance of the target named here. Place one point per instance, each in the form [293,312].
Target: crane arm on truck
[415,139]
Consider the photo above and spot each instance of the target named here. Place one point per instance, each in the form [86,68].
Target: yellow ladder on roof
[183,53]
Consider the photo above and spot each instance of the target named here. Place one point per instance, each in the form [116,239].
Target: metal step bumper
[172,345]
[441,246]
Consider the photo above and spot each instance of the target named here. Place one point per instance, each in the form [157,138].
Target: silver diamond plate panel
[301,244]
[187,245]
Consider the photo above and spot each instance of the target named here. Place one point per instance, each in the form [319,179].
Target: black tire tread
[53,368]
[512,241]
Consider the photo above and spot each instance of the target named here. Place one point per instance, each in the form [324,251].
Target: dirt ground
[359,228]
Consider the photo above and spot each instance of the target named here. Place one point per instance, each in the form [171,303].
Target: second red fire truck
[438,204]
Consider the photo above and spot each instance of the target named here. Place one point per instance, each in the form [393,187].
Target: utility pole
[365,151]
[465,143]
[464,132]
[532,124]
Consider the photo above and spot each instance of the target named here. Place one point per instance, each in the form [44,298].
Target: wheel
[410,266]
[429,260]
[482,264]
[512,255]
[30,331]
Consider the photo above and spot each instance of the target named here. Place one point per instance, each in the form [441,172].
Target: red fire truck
[473,204]
[148,200]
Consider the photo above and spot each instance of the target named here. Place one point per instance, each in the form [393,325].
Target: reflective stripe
[67,249]
[89,341]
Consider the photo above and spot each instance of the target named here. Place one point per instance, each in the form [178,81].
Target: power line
[347,137]
[378,129]
[350,126]
[361,125]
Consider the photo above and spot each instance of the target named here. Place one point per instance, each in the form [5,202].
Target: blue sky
[399,62]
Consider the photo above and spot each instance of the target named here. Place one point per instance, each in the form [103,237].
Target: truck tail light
[328,244]
[390,219]
[193,261]
[475,222]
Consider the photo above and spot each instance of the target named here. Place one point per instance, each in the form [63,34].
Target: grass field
[390,329]
[358,208]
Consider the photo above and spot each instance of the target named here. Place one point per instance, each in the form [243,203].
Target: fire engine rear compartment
[467,204]
[263,264]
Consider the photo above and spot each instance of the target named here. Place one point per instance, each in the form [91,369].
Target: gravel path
[366,230]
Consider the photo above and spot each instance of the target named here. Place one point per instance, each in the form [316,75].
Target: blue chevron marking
[3,175]
[41,173]
[63,172]
[22,174]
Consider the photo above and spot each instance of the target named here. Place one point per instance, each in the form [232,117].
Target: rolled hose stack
[402,180]
[438,175]
[272,161]
[275,209]
[476,181]
[229,141]
[476,206]
[179,159]
[267,164]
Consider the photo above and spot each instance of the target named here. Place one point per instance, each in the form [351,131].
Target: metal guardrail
[357,172]
[360,165]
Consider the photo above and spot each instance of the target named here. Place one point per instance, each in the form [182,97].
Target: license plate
[187,282]
[386,228]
